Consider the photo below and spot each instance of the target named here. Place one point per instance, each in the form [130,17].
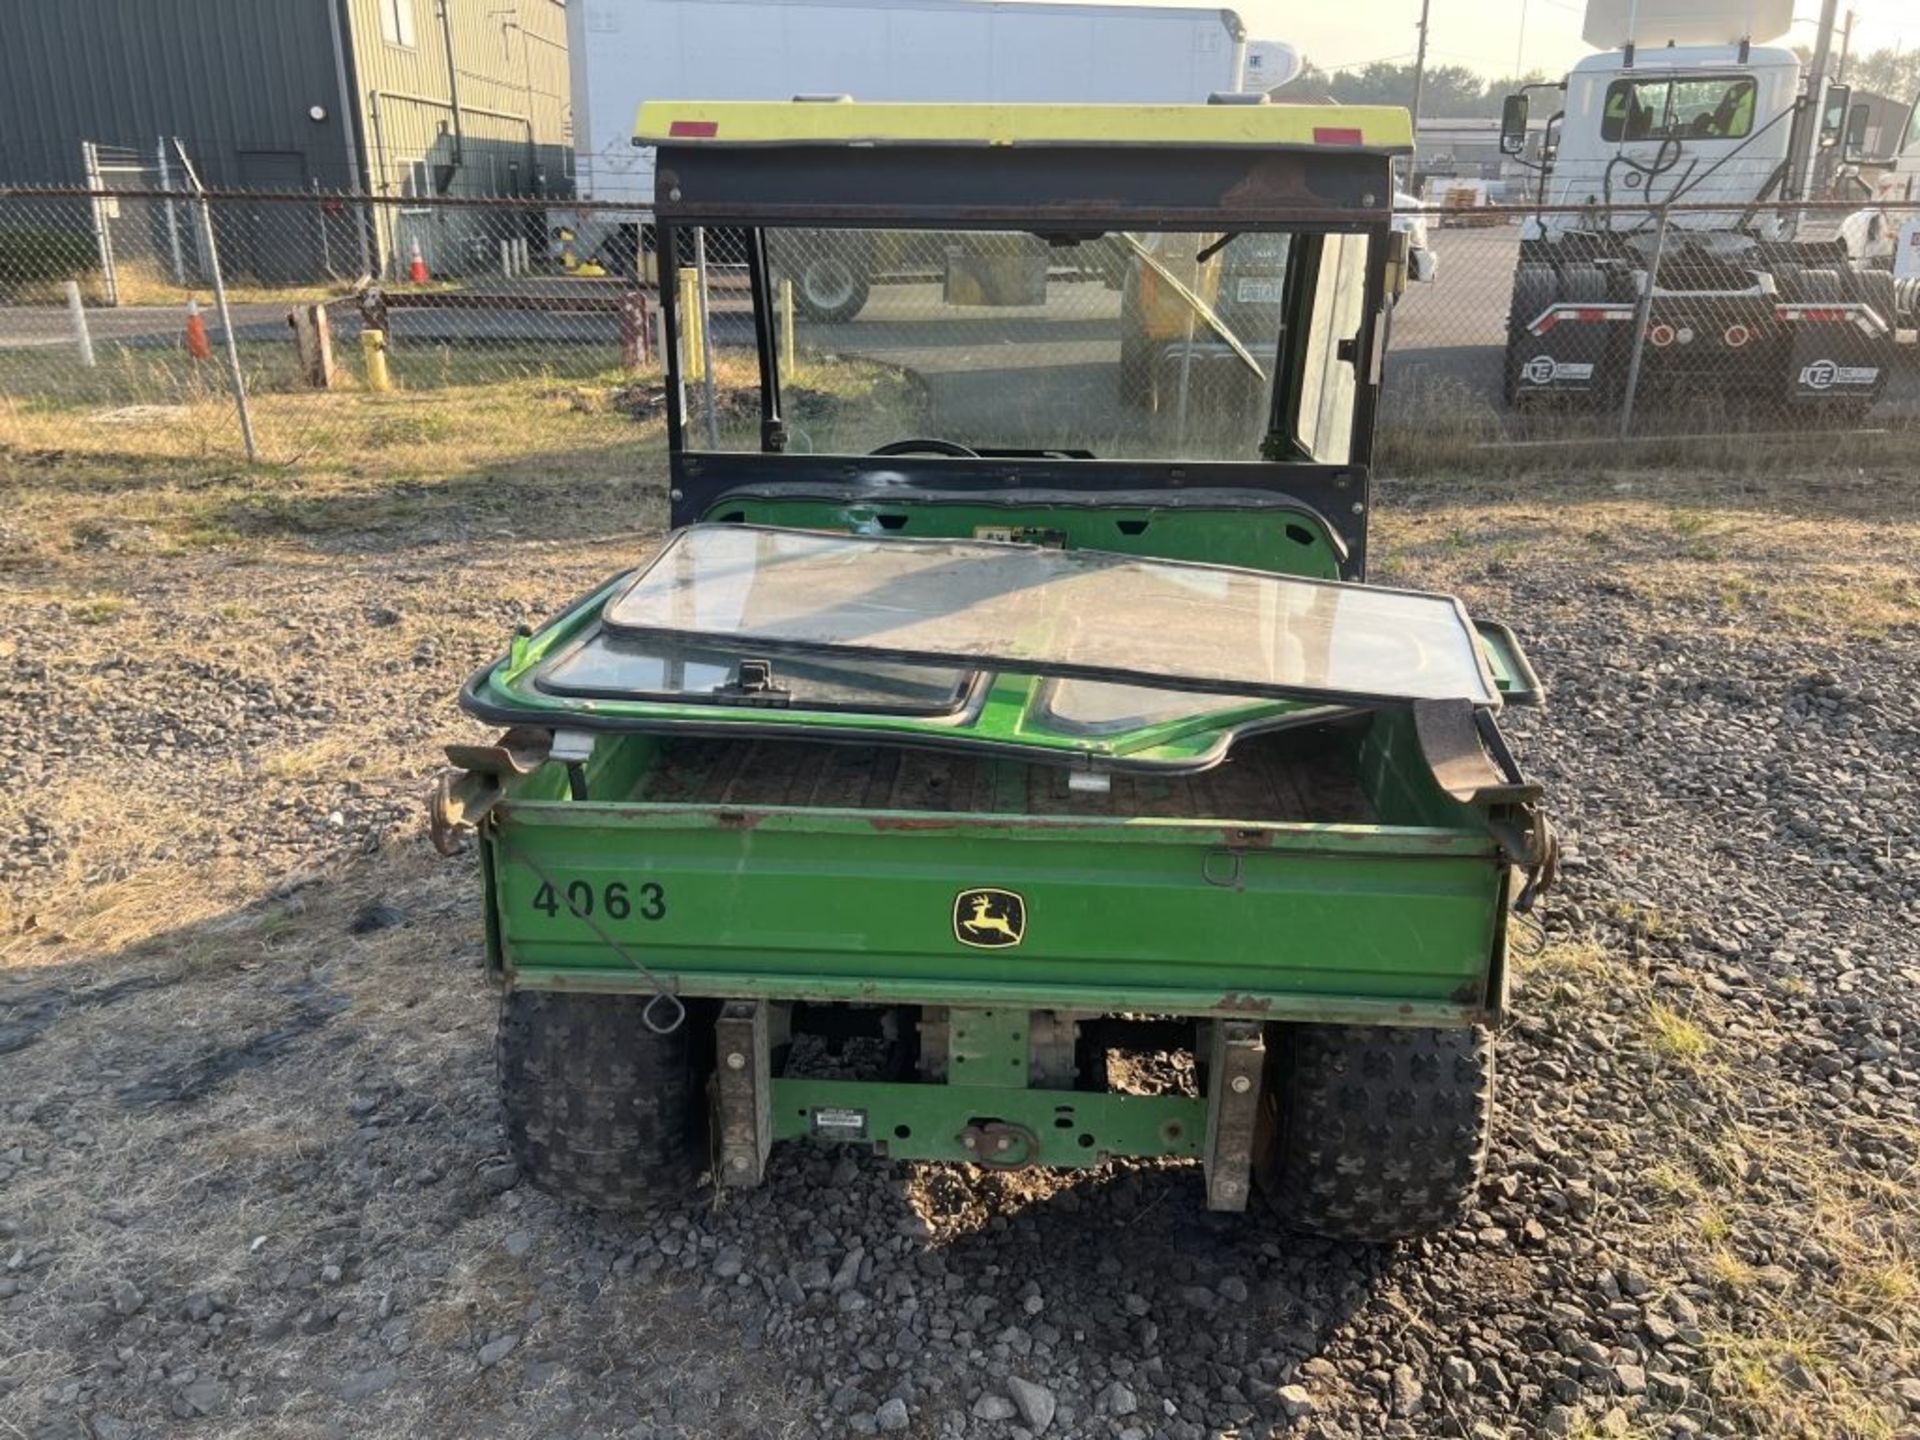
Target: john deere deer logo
[989,919]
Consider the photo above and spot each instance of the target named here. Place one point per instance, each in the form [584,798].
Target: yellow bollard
[694,353]
[373,347]
[786,327]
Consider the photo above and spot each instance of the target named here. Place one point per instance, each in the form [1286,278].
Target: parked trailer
[626,52]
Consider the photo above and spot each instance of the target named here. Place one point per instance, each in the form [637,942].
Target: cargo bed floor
[1293,776]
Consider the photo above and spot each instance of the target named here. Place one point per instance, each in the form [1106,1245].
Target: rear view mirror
[1513,125]
[1833,115]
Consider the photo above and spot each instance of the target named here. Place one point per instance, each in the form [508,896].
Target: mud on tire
[600,1111]
[1375,1132]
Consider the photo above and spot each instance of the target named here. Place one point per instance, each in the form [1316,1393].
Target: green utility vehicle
[988,767]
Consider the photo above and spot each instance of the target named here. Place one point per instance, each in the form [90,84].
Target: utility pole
[1420,63]
[1846,49]
[1808,149]
[1419,84]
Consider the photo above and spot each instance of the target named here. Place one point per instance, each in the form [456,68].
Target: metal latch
[753,683]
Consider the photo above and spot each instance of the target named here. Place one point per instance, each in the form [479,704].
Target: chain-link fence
[346,316]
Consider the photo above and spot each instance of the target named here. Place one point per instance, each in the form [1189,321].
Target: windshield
[1719,108]
[1135,344]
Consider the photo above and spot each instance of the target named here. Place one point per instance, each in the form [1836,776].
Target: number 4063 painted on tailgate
[612,900]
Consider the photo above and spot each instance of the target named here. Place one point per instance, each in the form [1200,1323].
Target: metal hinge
[753,683]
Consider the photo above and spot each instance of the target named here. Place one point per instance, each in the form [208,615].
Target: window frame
[396,24]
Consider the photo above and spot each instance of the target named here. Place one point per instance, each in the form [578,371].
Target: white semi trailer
[1687,105]
[624,52]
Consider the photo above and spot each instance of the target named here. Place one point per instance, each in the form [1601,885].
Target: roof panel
[1379,128]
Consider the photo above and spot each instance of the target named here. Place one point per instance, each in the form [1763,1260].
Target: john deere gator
[1003,758]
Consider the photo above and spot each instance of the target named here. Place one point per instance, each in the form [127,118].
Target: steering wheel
[926,446]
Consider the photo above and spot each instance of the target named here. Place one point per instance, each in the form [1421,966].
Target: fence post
[102,239]
[313,338]
[173,218]
[636,331]
[220,304]
[706,337]
[1642,315]
[786,326]
[78,310]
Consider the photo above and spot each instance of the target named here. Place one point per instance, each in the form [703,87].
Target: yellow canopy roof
[790,122]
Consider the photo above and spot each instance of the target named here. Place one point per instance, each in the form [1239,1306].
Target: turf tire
[1376,1133]
[600,1111]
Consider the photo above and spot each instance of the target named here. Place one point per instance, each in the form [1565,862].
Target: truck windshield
[1716,108]
[1121,344]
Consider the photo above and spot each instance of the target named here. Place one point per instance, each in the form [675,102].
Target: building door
[275,241]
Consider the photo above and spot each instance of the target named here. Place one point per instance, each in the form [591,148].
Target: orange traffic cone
[197,344]
[417,269]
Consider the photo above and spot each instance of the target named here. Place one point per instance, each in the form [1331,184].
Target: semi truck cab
[1694,123]
[1631,255]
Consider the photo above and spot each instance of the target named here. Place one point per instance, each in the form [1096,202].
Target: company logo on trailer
[1825,374]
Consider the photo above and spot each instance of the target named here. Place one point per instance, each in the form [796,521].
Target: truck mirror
[1513,125]
[1856,141]
[1833,115]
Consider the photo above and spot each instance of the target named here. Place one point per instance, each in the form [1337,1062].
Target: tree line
[1455,92]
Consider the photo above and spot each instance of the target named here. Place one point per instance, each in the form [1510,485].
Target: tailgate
[1309,921]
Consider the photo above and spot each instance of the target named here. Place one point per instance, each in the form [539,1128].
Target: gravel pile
[251,1167]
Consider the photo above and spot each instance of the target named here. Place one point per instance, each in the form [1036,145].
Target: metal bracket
[462,797]
[1236,1062]
[459,801]
[742,1094]
[989,1047]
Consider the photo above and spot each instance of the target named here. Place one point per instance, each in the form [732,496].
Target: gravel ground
[252,1178]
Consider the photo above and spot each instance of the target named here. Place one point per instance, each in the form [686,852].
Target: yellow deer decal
[987,920]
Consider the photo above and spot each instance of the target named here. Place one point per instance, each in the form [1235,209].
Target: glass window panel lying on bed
[1026,609]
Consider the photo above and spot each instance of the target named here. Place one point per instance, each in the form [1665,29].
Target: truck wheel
[1876,288]
[1819,287]
[830,289]
[1586,284]
[1376,1132]
[1535,287]
[1583,285]
[600,1110]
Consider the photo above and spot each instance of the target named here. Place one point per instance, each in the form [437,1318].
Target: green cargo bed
[1308,876]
